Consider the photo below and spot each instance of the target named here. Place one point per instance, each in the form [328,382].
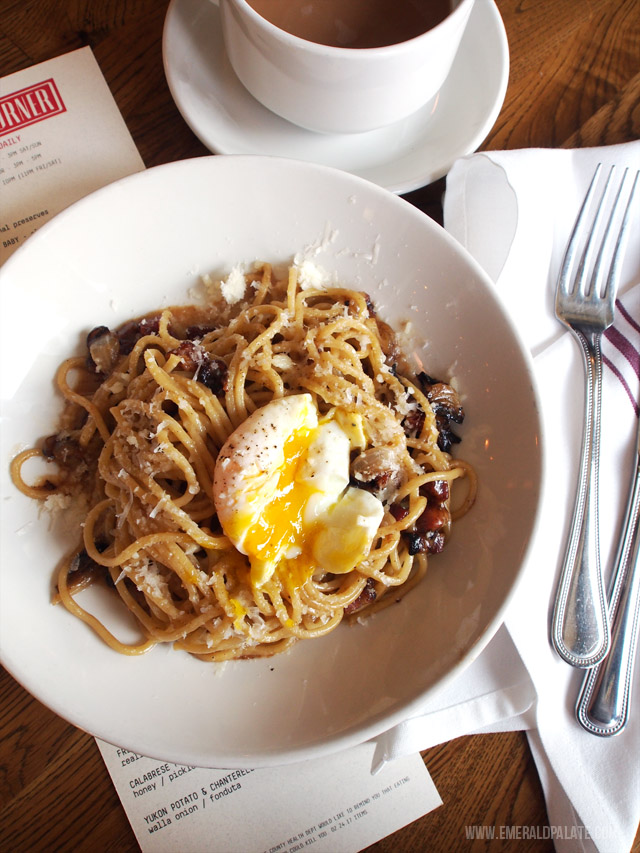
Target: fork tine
[564,278]
[581,285]
[613,278]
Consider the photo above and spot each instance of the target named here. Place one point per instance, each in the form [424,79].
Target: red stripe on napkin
[621,352]
[624,383]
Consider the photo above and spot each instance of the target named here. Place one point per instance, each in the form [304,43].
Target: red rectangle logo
[30,105]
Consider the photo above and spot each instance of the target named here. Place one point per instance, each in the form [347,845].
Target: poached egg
[282,494]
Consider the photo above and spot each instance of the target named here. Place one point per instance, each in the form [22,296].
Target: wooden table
[574,81]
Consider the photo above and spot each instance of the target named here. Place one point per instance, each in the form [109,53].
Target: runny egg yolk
[280,528]
[282,493]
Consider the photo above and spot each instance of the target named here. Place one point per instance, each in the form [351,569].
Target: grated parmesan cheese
[57,502]
[283,362]
[311,276]
[233,287]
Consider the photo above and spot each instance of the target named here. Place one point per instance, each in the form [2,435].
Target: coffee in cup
[354,23]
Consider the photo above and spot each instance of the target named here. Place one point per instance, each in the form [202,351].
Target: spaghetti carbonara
[253,471]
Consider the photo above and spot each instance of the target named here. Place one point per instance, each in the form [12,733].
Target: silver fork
[580,622]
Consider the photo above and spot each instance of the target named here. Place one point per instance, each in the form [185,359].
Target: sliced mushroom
[211,371]
[379,471]
[104,349]
[446,407]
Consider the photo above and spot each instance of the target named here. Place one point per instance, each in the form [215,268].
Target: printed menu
[326,805]
[62,136]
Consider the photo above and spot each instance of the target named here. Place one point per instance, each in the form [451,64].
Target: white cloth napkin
[514,212]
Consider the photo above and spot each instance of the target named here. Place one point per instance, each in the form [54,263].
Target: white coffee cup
[339,89]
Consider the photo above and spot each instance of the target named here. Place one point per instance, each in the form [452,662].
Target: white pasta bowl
[143,243]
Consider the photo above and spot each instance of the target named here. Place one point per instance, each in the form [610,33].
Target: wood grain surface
[574,81]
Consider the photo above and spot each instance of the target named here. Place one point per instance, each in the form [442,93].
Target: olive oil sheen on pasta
[354,23]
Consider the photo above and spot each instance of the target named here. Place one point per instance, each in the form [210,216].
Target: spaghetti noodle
[146,416]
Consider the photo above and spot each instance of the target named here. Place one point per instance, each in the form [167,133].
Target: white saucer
[407,155]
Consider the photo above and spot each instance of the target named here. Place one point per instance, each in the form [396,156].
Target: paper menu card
[327,805]
[61,137]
